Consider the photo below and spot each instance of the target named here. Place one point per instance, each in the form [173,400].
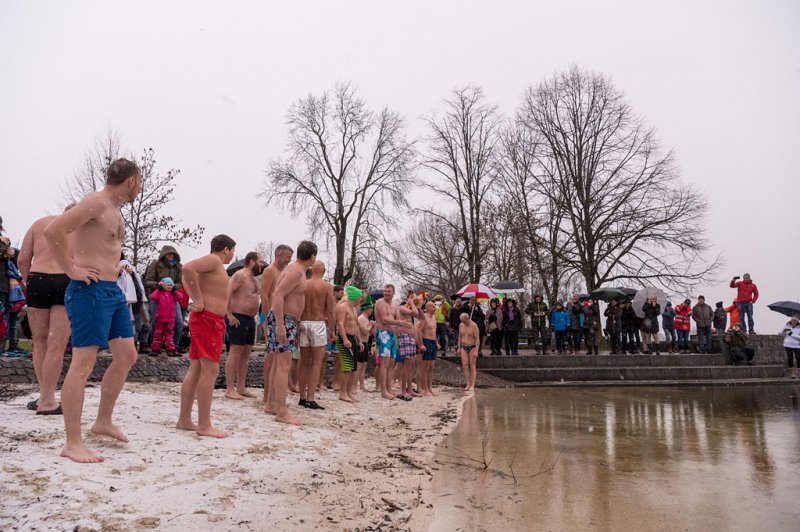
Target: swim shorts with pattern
[386,342]
[273,346]
[347,356]
[407,347]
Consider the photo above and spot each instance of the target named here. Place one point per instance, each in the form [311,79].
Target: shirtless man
[206,282]
[386,327]
[347,341]
[283,256]
[468,338]
[46,283]
[426,340]
[315,331]
[366,328]
[406,348]
[288,302]
[93,230]
[241,325]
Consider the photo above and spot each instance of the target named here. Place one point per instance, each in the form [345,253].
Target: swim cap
[352,293]
[367,303]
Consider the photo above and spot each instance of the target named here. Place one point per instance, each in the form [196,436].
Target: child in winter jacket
[560,320]
[165,299]
[683,324]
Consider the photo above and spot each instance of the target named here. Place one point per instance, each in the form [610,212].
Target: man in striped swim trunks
[347,341]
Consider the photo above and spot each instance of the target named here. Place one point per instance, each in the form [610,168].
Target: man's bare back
[35,255]
[245,293]
[319,297]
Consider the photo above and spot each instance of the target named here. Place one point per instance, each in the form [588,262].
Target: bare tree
[90,176]
[460,152]
[538,214]
[147,226]
[267,250]
[346,167]
[628,216]
[431,256]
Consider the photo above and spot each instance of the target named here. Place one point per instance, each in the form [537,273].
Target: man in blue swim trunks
[93,231]
[387,325]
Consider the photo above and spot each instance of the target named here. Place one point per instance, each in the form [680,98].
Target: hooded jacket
[538,312]
[683,315]
[159,268]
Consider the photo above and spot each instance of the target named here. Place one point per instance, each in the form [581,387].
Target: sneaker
[752,332]
[314,405]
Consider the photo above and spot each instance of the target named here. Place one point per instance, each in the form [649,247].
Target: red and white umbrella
[478,291]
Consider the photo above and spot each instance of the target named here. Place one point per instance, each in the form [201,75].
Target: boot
[595,350]
[589,350]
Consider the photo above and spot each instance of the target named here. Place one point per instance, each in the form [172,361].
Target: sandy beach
[351,467]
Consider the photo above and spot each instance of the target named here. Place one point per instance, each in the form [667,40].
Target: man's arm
[235,282]
[341,317]
[418,333]
[286,284]
[734,283]
[330,311]
[191,277]
[25,258]
[755,293]
[267,281]
[65,224]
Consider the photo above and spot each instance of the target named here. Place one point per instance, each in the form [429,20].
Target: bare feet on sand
[387,396]
[345,398]
[110,430]
[233,394]
[185,425]
[288,420]
[80,453]
[246,393]
[270,409]
[211,432]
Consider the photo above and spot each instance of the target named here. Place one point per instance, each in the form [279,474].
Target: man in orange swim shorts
[206,282]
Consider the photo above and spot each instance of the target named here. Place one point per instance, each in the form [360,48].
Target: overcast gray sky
[208,84]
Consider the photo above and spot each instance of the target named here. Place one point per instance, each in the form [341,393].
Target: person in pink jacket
[683,324]
[165,299]
[746,296]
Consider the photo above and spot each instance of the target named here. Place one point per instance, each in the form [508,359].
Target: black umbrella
[608,293]
[239,264]
[787,308]
[376,294]
[627,291]
[507,286]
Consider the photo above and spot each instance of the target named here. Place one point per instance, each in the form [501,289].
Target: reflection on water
[623,459]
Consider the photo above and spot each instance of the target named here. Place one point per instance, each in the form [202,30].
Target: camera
[736,277]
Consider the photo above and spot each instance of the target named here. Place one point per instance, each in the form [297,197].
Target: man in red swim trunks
[206,282]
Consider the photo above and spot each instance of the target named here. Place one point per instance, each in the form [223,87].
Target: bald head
[317,270]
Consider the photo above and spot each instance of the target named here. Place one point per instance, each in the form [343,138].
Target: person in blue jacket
[560,321]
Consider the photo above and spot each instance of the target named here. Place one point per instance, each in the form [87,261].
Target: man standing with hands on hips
[96,307]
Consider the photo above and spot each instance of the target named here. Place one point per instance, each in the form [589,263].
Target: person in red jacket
[683,324]
[746,295]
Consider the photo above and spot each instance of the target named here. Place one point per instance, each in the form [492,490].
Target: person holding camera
[746,296]
[737,345]
[791,343]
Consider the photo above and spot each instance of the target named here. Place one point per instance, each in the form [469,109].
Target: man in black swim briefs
[46,284]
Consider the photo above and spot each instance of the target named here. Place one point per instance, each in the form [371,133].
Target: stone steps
[698,382]
[601,360]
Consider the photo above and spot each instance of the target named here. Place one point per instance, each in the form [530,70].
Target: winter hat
[669,303]
[719,304]
[352,293]
[167,281]
[687,301]
[367,303]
